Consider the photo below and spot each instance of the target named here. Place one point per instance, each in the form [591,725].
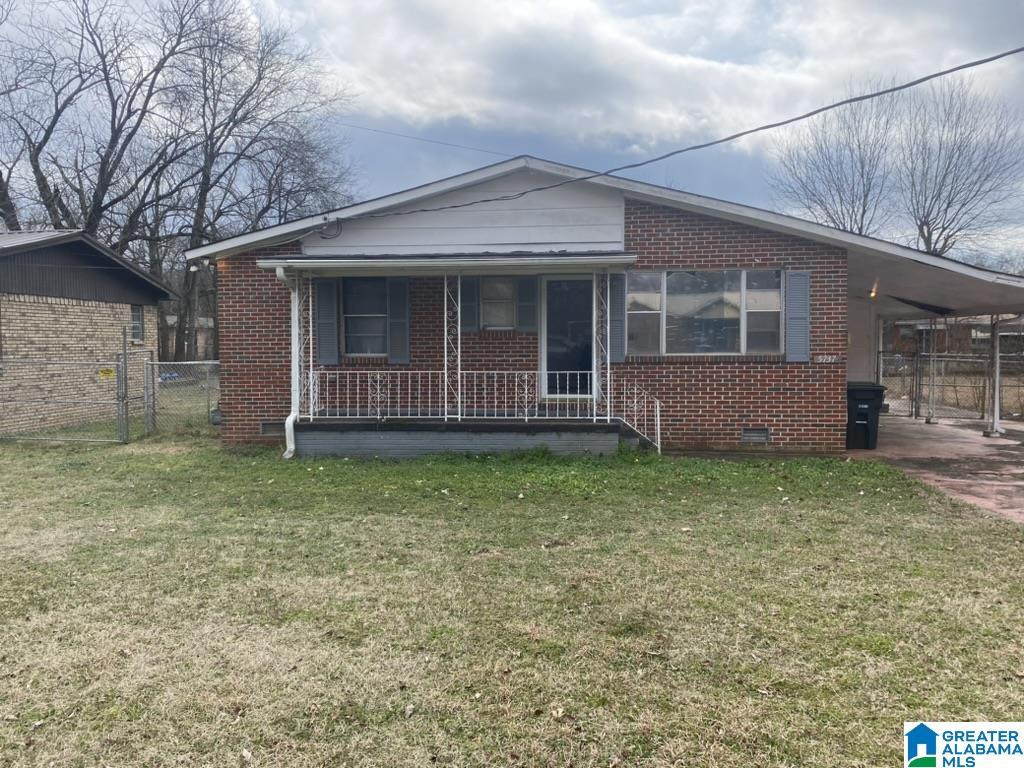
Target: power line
[425,140]
[707,144]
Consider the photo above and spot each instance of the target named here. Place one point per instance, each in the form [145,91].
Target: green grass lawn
[169,603]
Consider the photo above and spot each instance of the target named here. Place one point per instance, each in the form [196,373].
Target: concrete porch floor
[956,458]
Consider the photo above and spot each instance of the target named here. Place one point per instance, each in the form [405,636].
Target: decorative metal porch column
[309,394]
[602,386]
[452,347]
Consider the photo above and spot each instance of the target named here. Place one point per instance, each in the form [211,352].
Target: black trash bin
[863,405]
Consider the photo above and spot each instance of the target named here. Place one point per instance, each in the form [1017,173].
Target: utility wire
[707,144]
[425,139]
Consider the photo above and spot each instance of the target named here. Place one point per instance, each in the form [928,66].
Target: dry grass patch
[174,604]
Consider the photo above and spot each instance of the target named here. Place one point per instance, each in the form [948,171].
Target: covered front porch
[461,353]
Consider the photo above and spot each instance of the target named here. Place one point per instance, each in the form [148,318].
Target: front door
[568,354]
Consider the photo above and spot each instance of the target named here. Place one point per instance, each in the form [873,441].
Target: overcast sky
[602,82]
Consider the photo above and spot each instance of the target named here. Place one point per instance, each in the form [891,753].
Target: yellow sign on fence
[107,374]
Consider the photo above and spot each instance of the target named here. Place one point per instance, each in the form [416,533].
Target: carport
[891,282]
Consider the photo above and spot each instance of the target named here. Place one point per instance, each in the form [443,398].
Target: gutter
[293,416]
[506,264]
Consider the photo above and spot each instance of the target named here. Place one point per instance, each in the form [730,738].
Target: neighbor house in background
[205,348]
[66,297]
[428,320]
[961,335]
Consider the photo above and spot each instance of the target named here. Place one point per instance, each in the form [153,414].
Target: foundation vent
[272,428]
[756,435]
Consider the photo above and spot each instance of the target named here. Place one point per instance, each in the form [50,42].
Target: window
[137,322]
[498,302]
[704,313]
[364,302]
[643,313]
[764,311]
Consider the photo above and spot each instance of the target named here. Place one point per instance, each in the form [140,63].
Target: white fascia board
[522,264]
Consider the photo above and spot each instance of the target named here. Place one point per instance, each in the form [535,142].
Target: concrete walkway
[958,459]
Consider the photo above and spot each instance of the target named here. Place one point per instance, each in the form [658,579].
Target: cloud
[641,72]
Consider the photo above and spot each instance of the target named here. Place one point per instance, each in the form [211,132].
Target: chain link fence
[951,386]
[182,398]
[71,400]
[119,399]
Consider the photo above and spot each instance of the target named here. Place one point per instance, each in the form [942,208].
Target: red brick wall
[254,313]
[707,400]
[255,344]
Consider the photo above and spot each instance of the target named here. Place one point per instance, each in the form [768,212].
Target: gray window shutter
[470,310]
[398,320]
[617,317]
[526,304]
[326,297]
[798,317]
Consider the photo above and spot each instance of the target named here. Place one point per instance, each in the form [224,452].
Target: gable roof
[688,201]
[21,242]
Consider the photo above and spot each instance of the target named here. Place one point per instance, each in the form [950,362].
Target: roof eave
[699,204]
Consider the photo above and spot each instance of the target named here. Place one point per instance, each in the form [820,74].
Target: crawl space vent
[272,428]
[755,435]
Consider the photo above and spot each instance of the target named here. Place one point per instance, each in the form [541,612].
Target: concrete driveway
[958,459]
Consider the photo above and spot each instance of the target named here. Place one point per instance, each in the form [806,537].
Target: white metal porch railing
[494,395]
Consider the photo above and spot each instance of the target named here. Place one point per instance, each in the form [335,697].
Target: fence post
[917,387]
[122,389]
[149,395]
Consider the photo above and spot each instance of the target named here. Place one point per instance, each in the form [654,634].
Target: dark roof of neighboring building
[23,242]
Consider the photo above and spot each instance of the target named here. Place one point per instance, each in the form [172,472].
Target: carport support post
[995,428]
[930,419]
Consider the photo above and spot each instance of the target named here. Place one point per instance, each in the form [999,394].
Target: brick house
[534,303]
[66,298]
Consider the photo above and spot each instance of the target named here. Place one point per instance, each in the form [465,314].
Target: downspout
[289,423]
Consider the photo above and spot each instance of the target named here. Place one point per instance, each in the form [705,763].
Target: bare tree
[163,127]
[960,159]
[934,167]
[837,169]
[255,97]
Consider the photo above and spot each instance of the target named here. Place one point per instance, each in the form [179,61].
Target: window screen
[364,302]
[764,311]
[137,322]
[498,302]
[643,313]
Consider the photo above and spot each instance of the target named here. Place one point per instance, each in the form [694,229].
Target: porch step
[397,438]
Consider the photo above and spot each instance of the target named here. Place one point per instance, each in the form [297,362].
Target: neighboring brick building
[65,301]
[692,322]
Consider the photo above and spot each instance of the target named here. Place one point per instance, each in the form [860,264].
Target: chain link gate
[73,400]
